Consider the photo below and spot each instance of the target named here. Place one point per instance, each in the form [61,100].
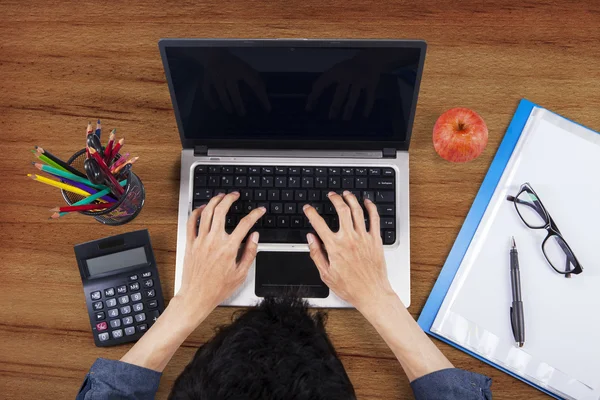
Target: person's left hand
[212,270]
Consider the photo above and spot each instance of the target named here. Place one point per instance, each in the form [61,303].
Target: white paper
[561,160]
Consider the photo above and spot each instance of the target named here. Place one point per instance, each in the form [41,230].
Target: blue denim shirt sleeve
[452,384]
[111,379]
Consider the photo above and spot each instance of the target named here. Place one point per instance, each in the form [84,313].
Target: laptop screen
[277,94]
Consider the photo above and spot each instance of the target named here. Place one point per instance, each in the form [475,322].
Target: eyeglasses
[556,250]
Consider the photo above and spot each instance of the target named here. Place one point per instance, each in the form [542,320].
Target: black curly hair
[275,351]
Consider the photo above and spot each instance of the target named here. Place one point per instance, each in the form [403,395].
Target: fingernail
[330,193]
[236,193]
[346,192]
[221,194]
[255,236]
[309,238]
[264,209]
[367,200]
[304,207]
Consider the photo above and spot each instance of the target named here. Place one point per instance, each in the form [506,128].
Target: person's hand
[351,260]
[212,270]
[223,72]
[351,77]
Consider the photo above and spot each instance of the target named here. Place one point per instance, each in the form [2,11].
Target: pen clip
[512,324]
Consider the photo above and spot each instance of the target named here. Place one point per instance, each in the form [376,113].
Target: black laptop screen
[294,93]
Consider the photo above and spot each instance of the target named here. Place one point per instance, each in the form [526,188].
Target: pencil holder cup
[124,210]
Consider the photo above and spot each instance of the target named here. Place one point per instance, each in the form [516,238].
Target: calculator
[121,286]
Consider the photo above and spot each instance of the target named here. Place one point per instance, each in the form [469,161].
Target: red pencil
[116,149]
[116,187]
[109,147]
[85,207]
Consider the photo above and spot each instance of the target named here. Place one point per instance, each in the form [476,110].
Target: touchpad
[288,274]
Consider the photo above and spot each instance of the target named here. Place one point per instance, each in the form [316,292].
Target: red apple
[459,135]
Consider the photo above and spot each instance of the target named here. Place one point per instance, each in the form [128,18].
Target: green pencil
[65,174]
[48,161]
[94,197]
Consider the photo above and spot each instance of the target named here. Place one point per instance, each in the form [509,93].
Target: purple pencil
[87,189]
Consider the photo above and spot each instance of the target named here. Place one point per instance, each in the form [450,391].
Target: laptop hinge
[389,152]
[201,150]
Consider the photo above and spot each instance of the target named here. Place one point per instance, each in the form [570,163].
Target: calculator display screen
[115,261]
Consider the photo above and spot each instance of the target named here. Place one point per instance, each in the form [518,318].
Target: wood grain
[63,63]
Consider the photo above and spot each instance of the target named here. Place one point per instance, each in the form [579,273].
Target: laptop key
[334,181]
[307,182]
[384,197]
[213,181]
[269,222]
[249,206]
[300,195]
[388,172]
[297,222]
[381,183]
[294,170]
[276,208]
[387,223]
[321,171]
[280,182]
[347,171]
[214,169]
[361,183]
[260,195]
[227,181]
[246,194]
[385,209]
[254,170]
[308,171]
[361,171]
[241,170]
[267,181]
[273,194]
[347,183]
[202,194]
[227,170]
[314,195]
[201,169]
[289,208]
[283,221]
[254,181]
[280,170]
[200,180]
[334,171]
[293,181]
[374,171]
[369,194]
[320,182]
[267,170]
[240,181]
[389,237]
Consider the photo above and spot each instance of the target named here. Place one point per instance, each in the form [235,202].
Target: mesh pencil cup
[126,208]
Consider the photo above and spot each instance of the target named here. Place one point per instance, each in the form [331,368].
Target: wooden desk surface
[63,64]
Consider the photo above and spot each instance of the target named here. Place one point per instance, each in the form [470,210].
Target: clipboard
[468,231]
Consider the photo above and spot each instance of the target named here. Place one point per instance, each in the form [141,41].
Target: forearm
[414,350]
[156,348]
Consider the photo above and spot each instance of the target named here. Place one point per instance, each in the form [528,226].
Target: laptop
[284,122]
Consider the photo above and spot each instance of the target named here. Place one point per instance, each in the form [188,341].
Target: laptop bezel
[294,144]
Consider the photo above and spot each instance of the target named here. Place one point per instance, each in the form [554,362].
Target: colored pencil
[109,147]
[119,162]
[58,184]
[117,147]
[60,162]
[87,132]
[85,207]
[94,197]
[120,167]
[98,129]
[48,161]
[106,171]
[87,189]
[89,128]
[68,175]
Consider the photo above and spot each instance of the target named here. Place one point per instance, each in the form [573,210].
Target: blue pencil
[98,129]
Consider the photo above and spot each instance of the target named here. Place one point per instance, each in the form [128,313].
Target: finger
[248,255]
[358,216]
[222,92]
[318,87]
[246,224]
[234,92]
[207,214]
[218,221]
[343,211]
[317,222]
[351,103]
[373,218]
[260,91]
[370,101]
[192,224]
[317,253]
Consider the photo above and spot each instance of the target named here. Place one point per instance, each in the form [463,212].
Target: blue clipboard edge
[463,240]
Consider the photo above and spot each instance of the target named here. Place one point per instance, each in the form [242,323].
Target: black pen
[517,319]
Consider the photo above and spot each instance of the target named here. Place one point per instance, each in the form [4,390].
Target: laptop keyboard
[285,190]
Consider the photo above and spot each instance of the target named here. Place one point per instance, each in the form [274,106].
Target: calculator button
[153,304]
[110,292]
[101,326]
[148,283]
[111,302]
[125,309]
[150,293]
[142,328]
[136,297]
[115,323]
[103,337]
[140,317]
[96,295]
[100,316]
[113,313]
[138,307]
[98,305]
[128,321]
[129,330]
[117,333]
[134,286]
[133,278]
[124,299]
[154,315]
[147,274]
[122,289]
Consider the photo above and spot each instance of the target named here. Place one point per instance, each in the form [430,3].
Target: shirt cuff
[453,383]
[110,377]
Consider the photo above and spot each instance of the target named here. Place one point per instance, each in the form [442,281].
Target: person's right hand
[351,260]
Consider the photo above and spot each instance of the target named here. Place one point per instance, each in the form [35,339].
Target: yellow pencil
[58,184]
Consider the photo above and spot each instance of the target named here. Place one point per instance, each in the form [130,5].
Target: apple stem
[461,126]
